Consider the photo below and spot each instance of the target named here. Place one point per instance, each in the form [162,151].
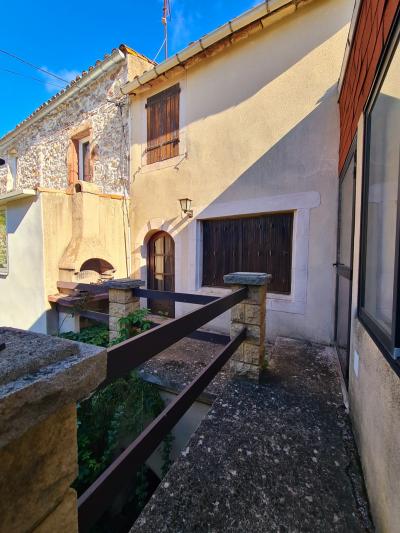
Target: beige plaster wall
[22,289]
[374,392]
[42,147]
[259,133]
[110,225]
[374,396]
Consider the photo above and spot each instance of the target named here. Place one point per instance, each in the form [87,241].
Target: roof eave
[261,11]
[115,57]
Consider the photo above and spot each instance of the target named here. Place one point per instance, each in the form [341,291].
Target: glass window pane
[3,240]
[383,180]
[159,245]
[346,216]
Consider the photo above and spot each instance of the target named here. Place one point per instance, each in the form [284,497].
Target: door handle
[338,264]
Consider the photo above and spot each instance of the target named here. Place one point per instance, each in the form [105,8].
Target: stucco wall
[108,219]
[22,294]
[374,401]
[374,395]
[259,133]
[42,147]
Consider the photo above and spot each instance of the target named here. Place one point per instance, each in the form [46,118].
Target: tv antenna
[166,16]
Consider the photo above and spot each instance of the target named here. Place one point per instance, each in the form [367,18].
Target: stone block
[63,518]
[236,328]
[252,353]
[254,314]
[120,310]
[256,295]
[121,296]
[238,313]
[254,334]
[37,470]
[239,354]
[113,323]
[245,370]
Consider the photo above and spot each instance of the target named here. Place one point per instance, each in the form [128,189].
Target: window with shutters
[249,244]
[163,125]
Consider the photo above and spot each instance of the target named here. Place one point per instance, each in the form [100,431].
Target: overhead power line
[32,78]
[33,66]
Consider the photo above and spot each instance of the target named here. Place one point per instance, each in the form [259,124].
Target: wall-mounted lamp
[185,206]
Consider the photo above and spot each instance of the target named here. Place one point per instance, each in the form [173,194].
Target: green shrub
[116,414]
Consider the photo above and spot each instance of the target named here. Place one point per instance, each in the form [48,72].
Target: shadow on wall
[298,160]
[17,211]
[204,101]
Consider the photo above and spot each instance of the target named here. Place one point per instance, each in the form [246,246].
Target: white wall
[260,133]
[22,294]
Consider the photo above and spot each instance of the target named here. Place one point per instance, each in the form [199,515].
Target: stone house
[243,160]
[64,185]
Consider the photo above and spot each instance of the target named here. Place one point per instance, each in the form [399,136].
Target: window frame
[81,168]
[5,270]
[233,218]
[389,345]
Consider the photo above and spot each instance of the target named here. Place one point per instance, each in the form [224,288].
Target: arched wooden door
[161,271]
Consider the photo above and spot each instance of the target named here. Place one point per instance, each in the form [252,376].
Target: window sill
[166,163]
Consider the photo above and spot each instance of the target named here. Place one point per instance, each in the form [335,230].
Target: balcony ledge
[278,456]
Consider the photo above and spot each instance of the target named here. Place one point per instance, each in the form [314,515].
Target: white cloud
[53,84]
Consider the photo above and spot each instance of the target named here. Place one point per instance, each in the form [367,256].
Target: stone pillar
[41,379]
[249,359]
[121,301]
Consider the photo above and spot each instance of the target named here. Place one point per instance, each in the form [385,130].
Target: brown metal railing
[128,355]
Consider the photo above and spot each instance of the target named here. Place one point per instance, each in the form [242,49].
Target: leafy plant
[98,335]
[116,414]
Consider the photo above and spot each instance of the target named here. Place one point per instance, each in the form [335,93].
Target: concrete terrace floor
[273,457]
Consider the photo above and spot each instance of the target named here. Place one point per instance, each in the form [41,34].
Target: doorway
[161,272]
[344,264]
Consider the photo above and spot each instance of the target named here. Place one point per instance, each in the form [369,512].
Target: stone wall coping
[125,283]
[40,374]
[247,278]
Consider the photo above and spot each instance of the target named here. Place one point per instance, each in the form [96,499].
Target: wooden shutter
[249,244]
[163,125]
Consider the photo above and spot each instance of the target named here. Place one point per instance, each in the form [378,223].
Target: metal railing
[128,355]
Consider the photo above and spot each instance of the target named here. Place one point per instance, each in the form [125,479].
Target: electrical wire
[31,78]
[158,53]
[33,66]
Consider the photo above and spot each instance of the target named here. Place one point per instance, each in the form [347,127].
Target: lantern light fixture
[186,206]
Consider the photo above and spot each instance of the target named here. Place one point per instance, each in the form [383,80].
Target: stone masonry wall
[42,148]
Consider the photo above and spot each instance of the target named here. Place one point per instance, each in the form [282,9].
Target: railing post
[249,359]
[121,301]
[41,379]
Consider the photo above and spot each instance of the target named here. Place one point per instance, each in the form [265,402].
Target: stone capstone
[40,374]
[247,278]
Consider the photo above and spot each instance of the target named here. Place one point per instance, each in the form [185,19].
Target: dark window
[379,296]
[252,244]
[163,125]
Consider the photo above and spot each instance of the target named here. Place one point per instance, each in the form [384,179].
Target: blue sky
[67,37]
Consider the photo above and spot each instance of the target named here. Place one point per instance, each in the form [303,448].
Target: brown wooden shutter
[249,244]
[163,125]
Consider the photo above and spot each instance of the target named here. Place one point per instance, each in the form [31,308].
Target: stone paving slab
[274,457]
[177,366]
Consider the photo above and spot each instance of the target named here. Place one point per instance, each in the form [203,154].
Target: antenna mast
[164,20]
